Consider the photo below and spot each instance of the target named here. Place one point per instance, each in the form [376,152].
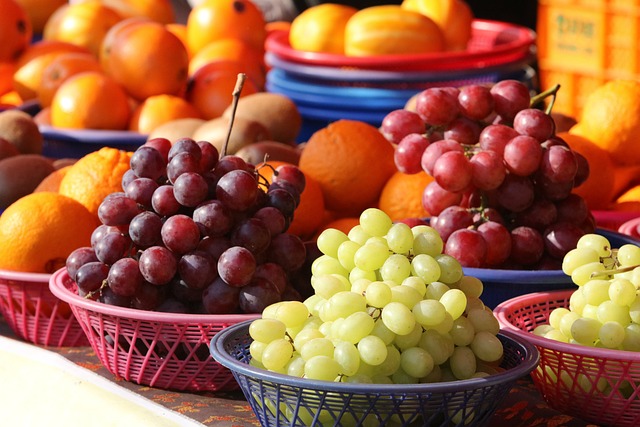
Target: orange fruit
[159,109]
[215,19]
[27,77]
[90,100]
[401,196]
[52,181]
[82,23]
[95,176]
[211,88]
[16,30]
[60,68]
[39,11]
[231,49]
[307,217]
[11,99]
[344,224]
[157,10]
[40,230]
[454,17]
[146,59]
[6,76]
[321,28]
[610,118]
[352,161]
[598,189]
[180,31]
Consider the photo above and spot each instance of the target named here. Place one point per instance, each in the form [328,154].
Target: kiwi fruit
[269,150]
[176,129]
[277,112]
[20,129]
[20,175]
[244,132]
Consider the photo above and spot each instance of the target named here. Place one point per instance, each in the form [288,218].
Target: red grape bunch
[193,232]
[501,195]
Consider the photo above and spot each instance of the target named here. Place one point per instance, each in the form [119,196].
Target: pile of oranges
[126,64]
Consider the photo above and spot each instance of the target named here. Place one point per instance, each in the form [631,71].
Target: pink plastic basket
[492,43]
[601,386]
[163,350]
[35,314]
[613,220]
[631,228]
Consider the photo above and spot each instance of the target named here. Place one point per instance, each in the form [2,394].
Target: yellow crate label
[576,38]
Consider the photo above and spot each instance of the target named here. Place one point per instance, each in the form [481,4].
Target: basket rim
[218,353]
[502,310]
[277,42]
[42,278]
[57,287]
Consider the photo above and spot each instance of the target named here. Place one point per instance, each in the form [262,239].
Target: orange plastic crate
[585,43]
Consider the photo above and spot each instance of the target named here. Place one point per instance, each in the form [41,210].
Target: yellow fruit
[454,17]
[391,30]
[611,119]
[321,28]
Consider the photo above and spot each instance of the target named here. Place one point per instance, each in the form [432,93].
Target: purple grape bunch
[194,232]
[501,195]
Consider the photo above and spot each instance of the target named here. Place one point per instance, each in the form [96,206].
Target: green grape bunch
[389,307]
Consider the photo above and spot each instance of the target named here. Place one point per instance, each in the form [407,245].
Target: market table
[523,407]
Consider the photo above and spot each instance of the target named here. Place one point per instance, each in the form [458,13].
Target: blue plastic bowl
[501,285]
[284,400]
[76,143]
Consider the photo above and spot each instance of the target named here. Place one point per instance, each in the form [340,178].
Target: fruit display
[193,231]
[388,307]
[501,195]
[604,311]
[147,68]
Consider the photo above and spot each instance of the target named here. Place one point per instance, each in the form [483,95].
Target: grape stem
[553,91]
[234,105]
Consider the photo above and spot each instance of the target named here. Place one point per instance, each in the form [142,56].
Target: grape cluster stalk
[501,195]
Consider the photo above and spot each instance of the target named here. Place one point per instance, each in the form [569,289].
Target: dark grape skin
[117,210]
[145,229]
[253,234]
[147,162]
[487,170]
[237,190]
[527,246]
[273,273]
[397,124]
[476,101]
[534,123]
[287,250]
[560,238]
[409,151]
[437,106]
[498,240]
[257,295]
[510,96]
[125,278]
[453,171]
[158,265]
[180,234]
[468,246]
[197,269]
[236,266]
[112,247]
[220,298]
[435,199]
[291,174]
[451,219]
[78,258]
[90,276]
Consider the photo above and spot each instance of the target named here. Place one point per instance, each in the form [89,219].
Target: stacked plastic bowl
[328,87]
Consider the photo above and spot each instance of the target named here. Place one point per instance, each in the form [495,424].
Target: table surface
[523,407]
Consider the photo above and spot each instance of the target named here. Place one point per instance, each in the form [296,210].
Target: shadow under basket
[162,350]
[35,314]
[283,400]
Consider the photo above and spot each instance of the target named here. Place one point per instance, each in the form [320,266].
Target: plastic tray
[164,350]
[35,314]
[581,369]
[282,400]
[492,43]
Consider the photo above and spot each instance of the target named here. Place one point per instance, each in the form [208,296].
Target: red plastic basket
[35,314]
[631,228]
[492,43]
[601,386]
[613,220]
[163,350]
